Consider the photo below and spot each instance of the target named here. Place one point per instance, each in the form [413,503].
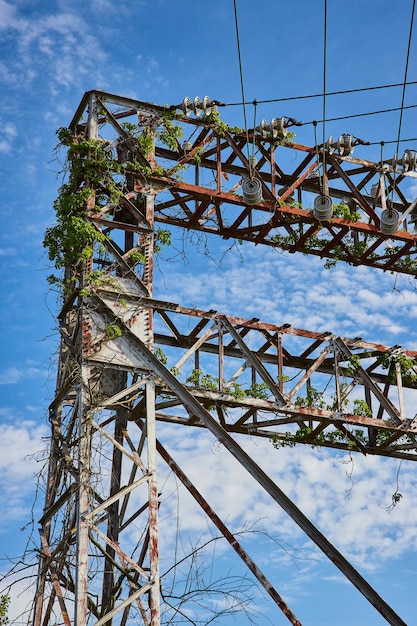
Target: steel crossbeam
[283,218]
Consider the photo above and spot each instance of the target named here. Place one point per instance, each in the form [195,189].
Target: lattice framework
[128,360]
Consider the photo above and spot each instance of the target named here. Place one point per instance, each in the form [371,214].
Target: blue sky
[51,52]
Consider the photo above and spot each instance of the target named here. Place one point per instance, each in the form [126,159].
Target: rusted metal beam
[263,356]
[383,399]
[255,362]
[269,588]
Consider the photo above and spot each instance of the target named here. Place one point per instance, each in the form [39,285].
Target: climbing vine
[90,165]
[4,606]
[408,367]
[344,211]
[200,380]
[307,435]
[95,179]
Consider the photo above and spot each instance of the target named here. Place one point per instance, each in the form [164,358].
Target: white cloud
[11,376]
[15,374]
[317,481]
[19,445]
[7,14]
[7,75]
[9,129]
[8,251]
[347,301]
[412,191]
[8,133]
[21,593]
[59,46]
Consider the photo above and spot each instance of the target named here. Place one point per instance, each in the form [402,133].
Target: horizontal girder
[264,379]
[282,217]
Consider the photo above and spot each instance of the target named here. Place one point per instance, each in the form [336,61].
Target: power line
[323,190]
[317,95]
[348,117]
[324,94]
[340,117]
[406,69]
[242,87]
[410,36]
[375,143]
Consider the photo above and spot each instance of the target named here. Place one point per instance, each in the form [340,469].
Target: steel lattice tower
[115,382]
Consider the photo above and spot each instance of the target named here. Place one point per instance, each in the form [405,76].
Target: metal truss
[198,186]
[129,360]
[279,382]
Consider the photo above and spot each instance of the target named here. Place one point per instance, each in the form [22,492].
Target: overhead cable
[323,187]
[316,95]
[242,87]
[349,117]
[406,69]
[410,35]
[375,143]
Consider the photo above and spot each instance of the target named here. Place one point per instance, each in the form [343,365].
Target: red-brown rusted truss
[128,360]
[283,217]
[293,385]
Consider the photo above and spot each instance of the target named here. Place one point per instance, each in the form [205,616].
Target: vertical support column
[337,380]
[84,446]
[219,164]
[221,360]
[273,177]
[84,454]
[45,528]
[149,244]
[113,523]
[280,363]
[399,377]
[113,526]
[154,594]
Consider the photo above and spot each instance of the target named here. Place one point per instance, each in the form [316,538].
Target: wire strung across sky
[324,94]
[323,178]
[333,93]
[341,117]
[410,36]
[347,117]
[318,95]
